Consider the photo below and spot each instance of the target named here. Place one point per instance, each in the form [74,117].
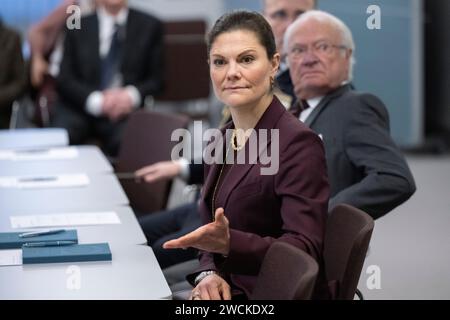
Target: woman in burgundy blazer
[245,208]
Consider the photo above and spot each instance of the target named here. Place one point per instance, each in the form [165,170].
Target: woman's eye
[218,62]
[248,59]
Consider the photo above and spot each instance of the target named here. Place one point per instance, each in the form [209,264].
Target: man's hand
[117,103]
[39,68]
[163,170]
[212,237]
[212,287]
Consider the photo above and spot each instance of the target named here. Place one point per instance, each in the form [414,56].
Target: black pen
[49,244]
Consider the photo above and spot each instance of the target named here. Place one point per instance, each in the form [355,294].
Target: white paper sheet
[11,257]
[65,219]
[39,154]
[45,181]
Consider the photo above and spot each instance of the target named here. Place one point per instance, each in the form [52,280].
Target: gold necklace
[217,183]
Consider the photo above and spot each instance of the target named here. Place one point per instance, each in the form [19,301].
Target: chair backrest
[287,273]
[186,74]
[347,239]
[147,140]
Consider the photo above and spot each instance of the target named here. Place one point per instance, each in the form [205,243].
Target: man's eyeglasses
[320,48]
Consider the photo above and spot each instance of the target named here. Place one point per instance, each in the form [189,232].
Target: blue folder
[70,253]
[11,240]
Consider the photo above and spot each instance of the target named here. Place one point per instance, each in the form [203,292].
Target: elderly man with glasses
[365,167]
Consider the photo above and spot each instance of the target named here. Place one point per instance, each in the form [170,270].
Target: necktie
[298,107]
[110,63]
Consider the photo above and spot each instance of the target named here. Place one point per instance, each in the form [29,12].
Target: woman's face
[239,68]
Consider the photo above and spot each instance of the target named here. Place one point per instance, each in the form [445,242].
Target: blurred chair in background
[186,74]
[146,140]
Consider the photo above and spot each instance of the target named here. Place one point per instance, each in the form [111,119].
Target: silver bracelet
[203,275]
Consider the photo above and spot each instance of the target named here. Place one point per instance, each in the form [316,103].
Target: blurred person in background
[46,39]
[108,68]
[13,77]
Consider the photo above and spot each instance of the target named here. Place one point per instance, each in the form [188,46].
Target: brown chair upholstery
[347,239]
[186,73]
[287,273]
[146,140]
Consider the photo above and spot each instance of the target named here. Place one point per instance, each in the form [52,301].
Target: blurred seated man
[13,79]
[109,66]
[365,167]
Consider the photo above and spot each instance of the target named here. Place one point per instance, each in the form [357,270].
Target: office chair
[347,239]
[146,140]
[287,273]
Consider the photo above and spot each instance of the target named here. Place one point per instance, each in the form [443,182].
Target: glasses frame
[320,48]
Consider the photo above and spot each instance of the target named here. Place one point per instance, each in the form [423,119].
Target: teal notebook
[71,253]
[11,240]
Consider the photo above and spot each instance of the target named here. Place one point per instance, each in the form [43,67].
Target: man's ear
[348,54]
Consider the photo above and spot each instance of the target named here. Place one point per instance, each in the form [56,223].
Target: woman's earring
[272,82]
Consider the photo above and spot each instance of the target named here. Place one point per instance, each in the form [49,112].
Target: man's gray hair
[322,16]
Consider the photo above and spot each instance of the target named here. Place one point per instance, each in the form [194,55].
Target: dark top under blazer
[290,206]
[141,63]
[365,167]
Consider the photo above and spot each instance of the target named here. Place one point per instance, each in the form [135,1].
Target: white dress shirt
[313,103]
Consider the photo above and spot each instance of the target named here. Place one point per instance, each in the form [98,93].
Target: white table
[103,190]
[133,273]
[33,138]
[89,159]
[128,232]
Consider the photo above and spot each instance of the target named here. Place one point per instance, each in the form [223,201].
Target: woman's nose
[233,71]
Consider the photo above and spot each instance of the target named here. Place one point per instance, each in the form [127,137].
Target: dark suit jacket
[289,206]
[365,167]
[141,63]
[13,79]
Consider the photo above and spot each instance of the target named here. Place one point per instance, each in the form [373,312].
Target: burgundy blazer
[289,206]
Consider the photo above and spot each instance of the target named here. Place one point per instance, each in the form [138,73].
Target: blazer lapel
[323,103]
[215,167]
[239,171]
